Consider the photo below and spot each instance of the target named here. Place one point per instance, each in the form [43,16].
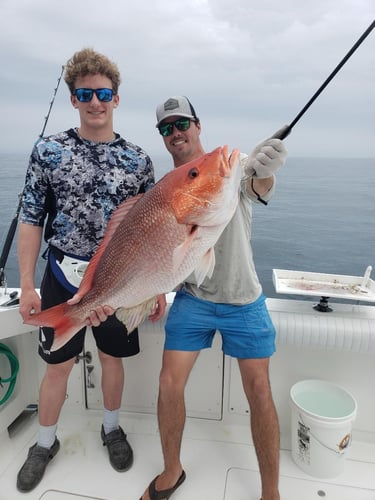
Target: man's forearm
[29,242]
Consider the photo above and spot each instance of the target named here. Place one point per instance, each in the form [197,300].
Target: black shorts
[111,336]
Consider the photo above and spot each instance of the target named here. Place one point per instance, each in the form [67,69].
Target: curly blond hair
[88,62]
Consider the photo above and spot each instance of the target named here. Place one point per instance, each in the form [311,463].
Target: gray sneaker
[32,471]
[119,450]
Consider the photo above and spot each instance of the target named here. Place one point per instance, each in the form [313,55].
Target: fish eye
[193,172]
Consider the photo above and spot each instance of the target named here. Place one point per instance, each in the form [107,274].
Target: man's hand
[29,304]
[97,315]
[266,158]
[159,310]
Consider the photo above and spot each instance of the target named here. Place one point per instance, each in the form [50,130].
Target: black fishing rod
[13,225]
[51,103]
[8,243]
[286,131]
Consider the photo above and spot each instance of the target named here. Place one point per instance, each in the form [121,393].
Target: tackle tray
[324,285]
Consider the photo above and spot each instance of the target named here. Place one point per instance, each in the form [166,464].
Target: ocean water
[321,219]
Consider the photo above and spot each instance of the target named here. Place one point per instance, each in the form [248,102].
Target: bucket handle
[344,443]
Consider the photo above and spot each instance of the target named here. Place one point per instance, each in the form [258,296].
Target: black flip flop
[154,494]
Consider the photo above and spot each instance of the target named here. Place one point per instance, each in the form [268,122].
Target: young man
[77,178]
[231,299]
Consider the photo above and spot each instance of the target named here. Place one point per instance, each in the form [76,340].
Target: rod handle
[282,132]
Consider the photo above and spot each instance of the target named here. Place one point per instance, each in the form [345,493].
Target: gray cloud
[248,68]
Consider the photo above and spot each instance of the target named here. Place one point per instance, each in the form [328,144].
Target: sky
[248,67]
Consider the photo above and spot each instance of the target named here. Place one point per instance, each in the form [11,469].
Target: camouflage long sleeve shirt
[77,184]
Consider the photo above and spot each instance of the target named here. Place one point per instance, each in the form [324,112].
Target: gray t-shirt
[234,279]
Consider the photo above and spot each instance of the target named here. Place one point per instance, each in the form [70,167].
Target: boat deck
[217,451]
[219,460]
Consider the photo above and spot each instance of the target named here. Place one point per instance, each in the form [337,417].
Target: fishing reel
[12,301]
[13,296]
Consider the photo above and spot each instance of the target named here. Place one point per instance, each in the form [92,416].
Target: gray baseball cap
[175,106]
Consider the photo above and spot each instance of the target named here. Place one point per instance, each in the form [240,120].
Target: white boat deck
[219,461]
[217,450]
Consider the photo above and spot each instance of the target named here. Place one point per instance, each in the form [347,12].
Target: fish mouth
[219,208]
[228,163]
[235,164]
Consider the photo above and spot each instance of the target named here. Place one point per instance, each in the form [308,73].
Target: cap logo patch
[171,104]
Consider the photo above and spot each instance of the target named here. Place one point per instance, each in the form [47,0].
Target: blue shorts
[247,331]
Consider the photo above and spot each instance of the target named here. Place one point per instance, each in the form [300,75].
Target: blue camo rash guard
[78,183]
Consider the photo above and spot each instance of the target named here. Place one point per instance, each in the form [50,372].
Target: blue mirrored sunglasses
[180,124]
[85,95]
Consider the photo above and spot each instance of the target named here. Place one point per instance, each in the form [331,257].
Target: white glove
[266,158]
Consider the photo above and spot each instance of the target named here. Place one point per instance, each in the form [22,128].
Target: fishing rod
[8,243]
[13,225]
[51,103]
[286,131]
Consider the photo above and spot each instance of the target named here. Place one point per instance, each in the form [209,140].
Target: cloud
[248,67]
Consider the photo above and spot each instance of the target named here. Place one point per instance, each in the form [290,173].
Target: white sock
[46,435]
[110,420]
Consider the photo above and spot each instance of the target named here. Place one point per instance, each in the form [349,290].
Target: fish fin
[61,320]
[131,317]
[205,267]
[115,220]
[180,252]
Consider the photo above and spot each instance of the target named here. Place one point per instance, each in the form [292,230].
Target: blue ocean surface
[321,218]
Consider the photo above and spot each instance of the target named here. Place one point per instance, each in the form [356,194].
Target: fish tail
[61,319]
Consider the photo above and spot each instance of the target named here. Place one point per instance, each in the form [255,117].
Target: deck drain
[321,493]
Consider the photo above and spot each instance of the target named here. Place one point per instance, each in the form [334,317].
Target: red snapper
[153,242]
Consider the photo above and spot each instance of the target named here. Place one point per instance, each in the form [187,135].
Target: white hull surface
[217,452]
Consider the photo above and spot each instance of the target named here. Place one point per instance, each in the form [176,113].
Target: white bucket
[322,417]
